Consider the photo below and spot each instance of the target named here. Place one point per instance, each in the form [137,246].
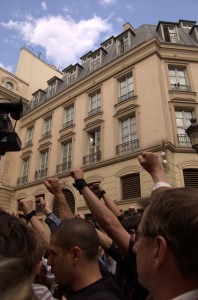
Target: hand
[43,205]
[80,216]
[77,174]
[27,205]
[151,163]
[53,185]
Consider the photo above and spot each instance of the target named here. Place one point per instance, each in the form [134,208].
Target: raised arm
[98,190]
[27,207]
[151,163]
[54,187]
[105,218]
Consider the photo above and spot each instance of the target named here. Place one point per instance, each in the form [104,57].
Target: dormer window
[85,58]
[124,40]
[106,44]
[170,34]
[97,58]
[95,61]
[186,24]
[72,76]
[53,85]
[35,100]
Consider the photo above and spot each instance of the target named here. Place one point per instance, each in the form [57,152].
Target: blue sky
[65,30]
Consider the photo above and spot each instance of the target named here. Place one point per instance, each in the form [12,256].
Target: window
[42,172]
[126,88]
[72,75]
[95,61]
[52,89]
[182,122]
[47,127]
[66,158]
[123,44]
[25,170]
[9,85]
[129,141]
[178,79]
[69,115]
[35,100]
[190,177]
[94,153]
[94,104]
[131,186]
[170,34]
[187,25]
[29,136]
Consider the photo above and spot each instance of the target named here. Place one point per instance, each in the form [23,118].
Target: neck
[85,276]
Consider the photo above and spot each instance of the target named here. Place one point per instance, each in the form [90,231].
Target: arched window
[69,198]
[9,85]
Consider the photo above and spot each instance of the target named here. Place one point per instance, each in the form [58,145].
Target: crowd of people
[138,254]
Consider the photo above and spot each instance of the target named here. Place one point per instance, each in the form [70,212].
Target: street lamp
[192,132]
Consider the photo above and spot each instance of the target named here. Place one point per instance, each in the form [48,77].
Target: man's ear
[160,251]
[76,253]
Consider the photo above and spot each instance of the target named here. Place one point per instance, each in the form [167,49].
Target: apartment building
[14,87]
[136,92]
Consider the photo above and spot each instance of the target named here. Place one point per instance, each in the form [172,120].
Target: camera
[9,139]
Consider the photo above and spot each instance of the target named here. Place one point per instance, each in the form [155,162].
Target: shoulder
[42,292]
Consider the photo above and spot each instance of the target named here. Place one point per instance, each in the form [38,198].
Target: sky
[64,30]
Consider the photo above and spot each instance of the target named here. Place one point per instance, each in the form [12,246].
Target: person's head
[15,282]
[19,241]
[168,235]
[74,245]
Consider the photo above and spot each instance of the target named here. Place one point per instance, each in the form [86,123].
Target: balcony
[65,167]
[183,140]
[94,111]
[126,97]
[29,143]
[123,48]
[46,134]
[22,180]
[180,88]
[128,147]
[40,174]
[92,158]
[68,124]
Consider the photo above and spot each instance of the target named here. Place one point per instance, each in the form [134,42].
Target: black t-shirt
[103,289]
[126,274]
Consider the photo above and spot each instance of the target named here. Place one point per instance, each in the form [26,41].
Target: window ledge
[182,95]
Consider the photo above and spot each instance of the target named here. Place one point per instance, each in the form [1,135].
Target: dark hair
[174,215]
[15,282]
[77,232]
[19,241]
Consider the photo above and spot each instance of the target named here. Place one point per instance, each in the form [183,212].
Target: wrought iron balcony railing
[92,158]
[46,134]
[184,140]
[22,180]
[126,97]
[180,87]
[68,124]
[40,174]
[94,111]
[128,147]
[65,167]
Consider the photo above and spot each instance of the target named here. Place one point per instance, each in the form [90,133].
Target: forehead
[143,218]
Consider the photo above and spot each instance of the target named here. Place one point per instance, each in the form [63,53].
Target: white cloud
[108,2]
[43,6]
[120,20]
[8,68]
[130,8]
[63,39]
